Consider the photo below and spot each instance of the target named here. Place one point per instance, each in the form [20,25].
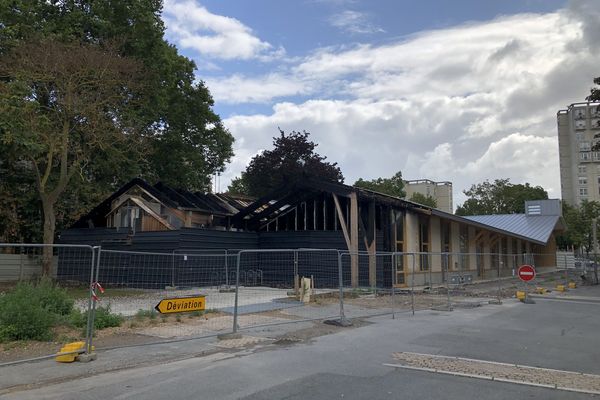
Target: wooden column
[372,246]
[354,239]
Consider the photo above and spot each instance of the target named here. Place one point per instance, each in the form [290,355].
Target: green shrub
[53,298]
[103,318]
[25,314]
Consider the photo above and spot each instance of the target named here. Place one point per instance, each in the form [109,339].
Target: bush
[103,318]
[28,312]
[54,299]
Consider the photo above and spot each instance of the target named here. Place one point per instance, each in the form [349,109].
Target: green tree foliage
[293,156]
[393,186]
[594,92]
[422,199]
[184,141]
[499,197]
[238,186]
[579,225]
[60,104]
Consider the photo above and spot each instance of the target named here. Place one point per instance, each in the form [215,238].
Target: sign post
[526,273]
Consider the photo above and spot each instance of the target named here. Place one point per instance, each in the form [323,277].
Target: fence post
[296,277]
[226,269]
[21,263]
[412,289]
[393,284]
[447,275]
[237,291]
[341,287]
[94,302]
[566,273]
[88,330]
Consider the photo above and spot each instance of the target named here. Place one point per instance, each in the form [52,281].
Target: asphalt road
[349,364]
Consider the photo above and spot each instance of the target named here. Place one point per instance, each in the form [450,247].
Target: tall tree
[393,186]
[60,104]
[595,91]
[579,221]
[185,141]
[423,199]
[499,197]
[293,155]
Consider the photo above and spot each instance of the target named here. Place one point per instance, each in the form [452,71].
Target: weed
[141,314]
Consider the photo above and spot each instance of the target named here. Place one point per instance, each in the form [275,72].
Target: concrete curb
[568,298]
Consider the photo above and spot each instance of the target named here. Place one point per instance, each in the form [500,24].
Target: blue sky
[448,90]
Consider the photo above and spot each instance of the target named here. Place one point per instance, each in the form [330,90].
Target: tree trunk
[49,228]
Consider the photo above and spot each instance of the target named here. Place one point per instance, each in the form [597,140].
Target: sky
[460,91]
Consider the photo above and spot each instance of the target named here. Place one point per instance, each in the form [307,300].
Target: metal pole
[173,271]
[21,264]
[412,292]
[341,287]
[566,273]
[447,280]
[393,284]
[226,269]
[499,294]
[88,341]
[237,291]
[94,302]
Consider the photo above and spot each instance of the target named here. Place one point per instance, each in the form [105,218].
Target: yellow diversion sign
[181,304]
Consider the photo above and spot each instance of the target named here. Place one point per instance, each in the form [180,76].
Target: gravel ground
[147,299]
[539,376]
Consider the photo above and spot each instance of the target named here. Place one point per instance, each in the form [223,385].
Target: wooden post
[342,222]
[354,239]
[372,247]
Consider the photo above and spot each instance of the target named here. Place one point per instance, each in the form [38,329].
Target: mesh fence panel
[282,286]
[269,287]
[367,284]
[136,282]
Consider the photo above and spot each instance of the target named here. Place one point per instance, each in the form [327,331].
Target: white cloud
[468,103]
[239,89]
[192,26]
[353,22]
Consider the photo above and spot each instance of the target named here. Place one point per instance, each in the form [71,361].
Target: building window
[585,146]
[582,181]
[579,136]
[584,156]
[583,192]
[582,169]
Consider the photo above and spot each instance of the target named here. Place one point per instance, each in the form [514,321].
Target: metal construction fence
[245,289]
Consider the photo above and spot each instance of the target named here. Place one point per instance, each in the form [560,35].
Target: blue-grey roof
[538,228]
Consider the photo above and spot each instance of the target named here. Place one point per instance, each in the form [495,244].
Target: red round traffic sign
[526,273]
